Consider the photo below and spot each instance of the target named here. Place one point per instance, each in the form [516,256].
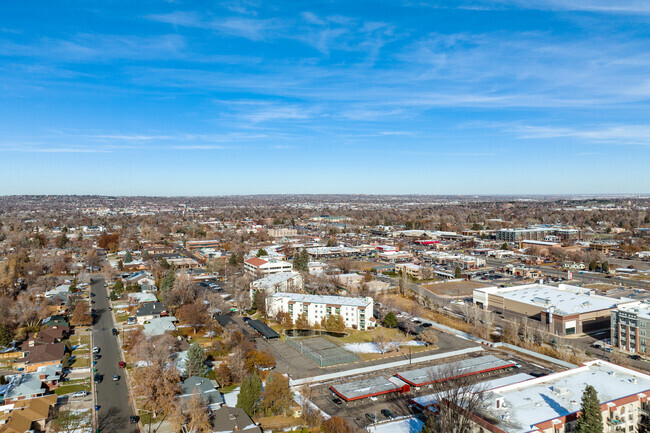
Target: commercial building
[356,312]
[410,269]
[195,245]
[631,327]
[256,265]
[563,310]
[371,387]
[551,404]
[440,373]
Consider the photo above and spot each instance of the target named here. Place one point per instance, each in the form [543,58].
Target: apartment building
[356,312]
[256,265]
[278,282]
[631,327]
[537,233]
[551,404]
[282,232]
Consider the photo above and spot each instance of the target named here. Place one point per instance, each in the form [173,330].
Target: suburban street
[112,396]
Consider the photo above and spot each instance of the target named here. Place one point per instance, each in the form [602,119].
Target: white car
[95,349]
[80,394]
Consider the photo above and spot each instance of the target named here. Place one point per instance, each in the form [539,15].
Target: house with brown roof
[41,355]
[50,335]
[27,415]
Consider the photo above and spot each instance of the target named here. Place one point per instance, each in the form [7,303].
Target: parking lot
[398,404]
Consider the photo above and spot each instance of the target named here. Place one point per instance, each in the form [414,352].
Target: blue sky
[244,97]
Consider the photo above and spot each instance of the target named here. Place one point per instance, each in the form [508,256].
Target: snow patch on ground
[231,397]
[374,348]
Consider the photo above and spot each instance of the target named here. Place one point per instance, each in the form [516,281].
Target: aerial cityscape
[325,216]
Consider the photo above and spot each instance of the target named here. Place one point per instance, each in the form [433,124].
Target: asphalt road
[112,396]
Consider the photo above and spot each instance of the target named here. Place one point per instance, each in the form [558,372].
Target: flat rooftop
[451,370]
[428,400]
[366,388]
[566,300]
[323,299]
[640,309]
[534,401]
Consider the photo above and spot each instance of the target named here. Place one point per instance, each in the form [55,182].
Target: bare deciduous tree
[458,399]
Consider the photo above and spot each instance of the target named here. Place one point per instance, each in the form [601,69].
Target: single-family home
[149,311]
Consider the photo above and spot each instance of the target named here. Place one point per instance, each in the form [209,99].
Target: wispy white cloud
[254,29]
[99,47]
[612,134]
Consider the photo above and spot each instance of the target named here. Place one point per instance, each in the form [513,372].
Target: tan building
[564,310]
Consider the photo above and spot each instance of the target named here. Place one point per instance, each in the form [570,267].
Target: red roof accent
[256,261]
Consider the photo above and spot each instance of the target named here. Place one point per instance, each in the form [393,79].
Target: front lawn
[69,389]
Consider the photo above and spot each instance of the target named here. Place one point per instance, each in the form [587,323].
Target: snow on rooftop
[324,299]
[565,299]
[528,403]
[365,388]
[428,400]
[434,373]
[404,425]
[272,280]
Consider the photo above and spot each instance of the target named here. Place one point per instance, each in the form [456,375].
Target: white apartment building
[282,232]
[278,282]
[356,312]
[256,265]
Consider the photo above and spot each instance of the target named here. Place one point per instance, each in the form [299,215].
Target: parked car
[337,401]
[116,377]
[371,418]
[121,364]
[133,419]
[130,321]
[96,356]
[97,378]
[96,349]
[80,394]
[115,331]
[635,357]
[387,413]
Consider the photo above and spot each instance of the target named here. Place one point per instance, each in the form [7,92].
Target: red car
[122,364]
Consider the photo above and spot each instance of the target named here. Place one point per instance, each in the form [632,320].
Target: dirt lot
[454,289]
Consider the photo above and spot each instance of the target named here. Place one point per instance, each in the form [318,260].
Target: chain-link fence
[325,356]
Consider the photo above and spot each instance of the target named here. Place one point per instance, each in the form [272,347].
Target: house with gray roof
[206,388]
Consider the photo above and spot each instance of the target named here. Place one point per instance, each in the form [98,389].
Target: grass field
[69,389]
[456,289]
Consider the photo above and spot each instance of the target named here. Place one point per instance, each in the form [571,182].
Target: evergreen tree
[249,394]
[118,288]
[591,418]
[301,261]
[261,252]
[593,265]
[195,365]
[128,258]
[458,273]
[62,241]
[390,320]
[5,336]
[605,267]
[168,280]
[504,246]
